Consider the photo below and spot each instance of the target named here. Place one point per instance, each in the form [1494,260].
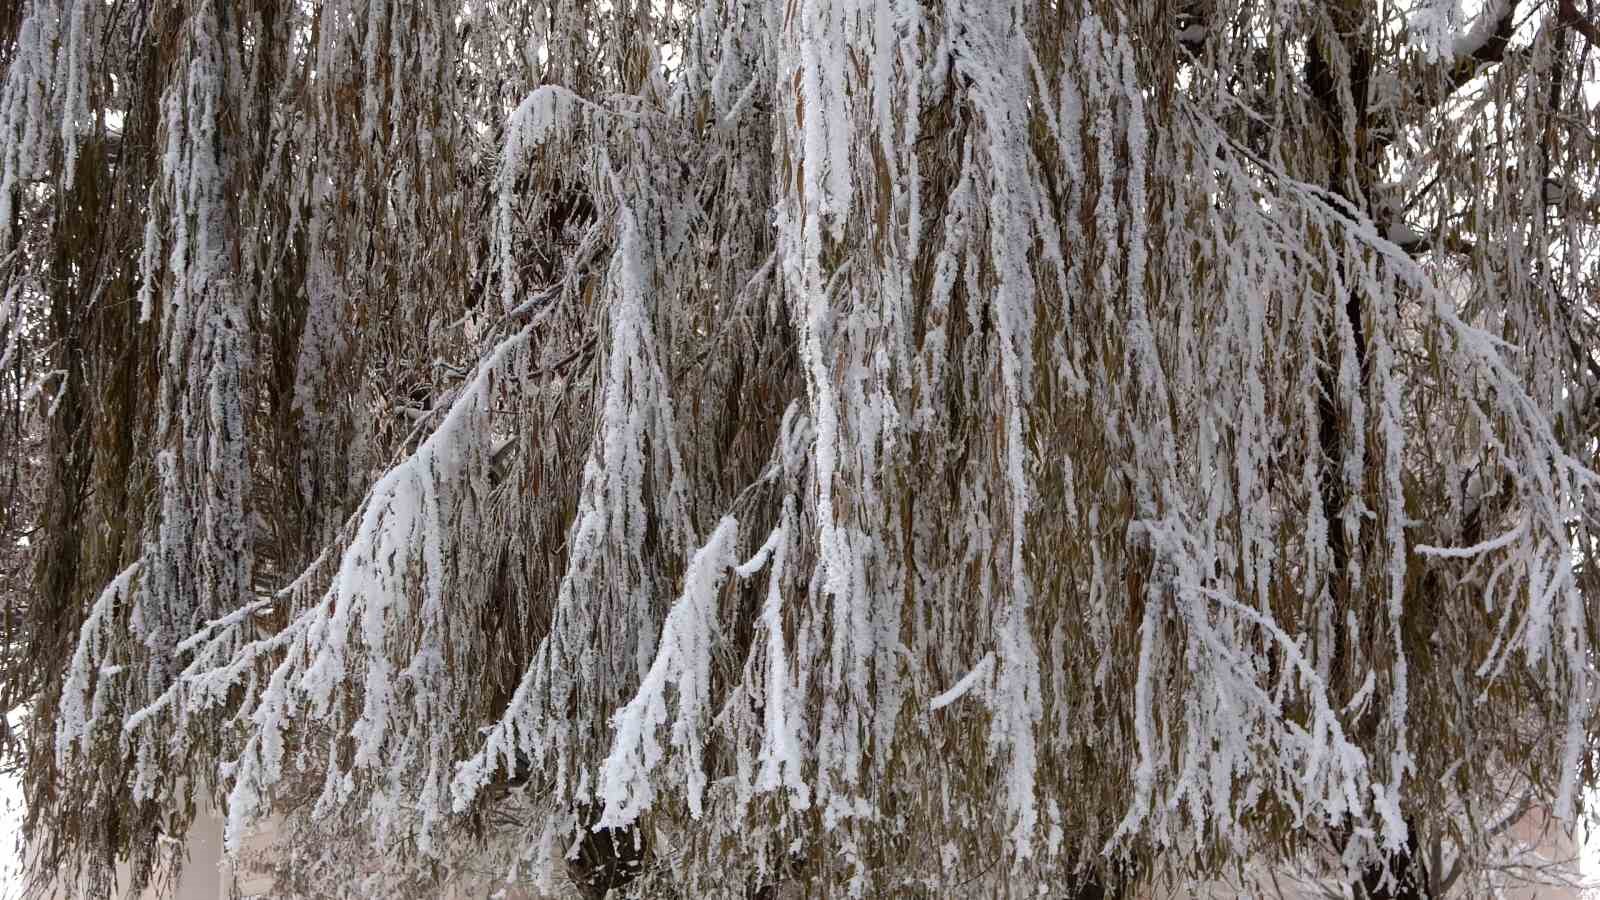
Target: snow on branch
[684,661]
[386,622]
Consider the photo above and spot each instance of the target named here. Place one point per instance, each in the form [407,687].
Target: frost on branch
[684,660]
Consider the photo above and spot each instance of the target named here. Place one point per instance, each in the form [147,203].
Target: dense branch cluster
[956,446]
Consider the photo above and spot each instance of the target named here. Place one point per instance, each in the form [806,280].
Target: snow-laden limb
[539,118]
[1479,549]
[973,679]
[84,696]
[385,622]
[809,216]
[199,558]
[1433,25]
[44,100]
[619,551]
[781,756]
[994,57]
[1436,26]
[683,661]
[1483,29]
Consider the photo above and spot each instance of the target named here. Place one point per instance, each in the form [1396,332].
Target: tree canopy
[957,446]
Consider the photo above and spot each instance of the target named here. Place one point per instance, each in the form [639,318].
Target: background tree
[958,446]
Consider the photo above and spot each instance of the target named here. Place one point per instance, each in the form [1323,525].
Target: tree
[959,446]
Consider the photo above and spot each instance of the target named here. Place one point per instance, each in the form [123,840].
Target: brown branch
[1569,17]
[1492,50]
[1458,71]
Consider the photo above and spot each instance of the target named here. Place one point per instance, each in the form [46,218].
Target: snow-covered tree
[977,447]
